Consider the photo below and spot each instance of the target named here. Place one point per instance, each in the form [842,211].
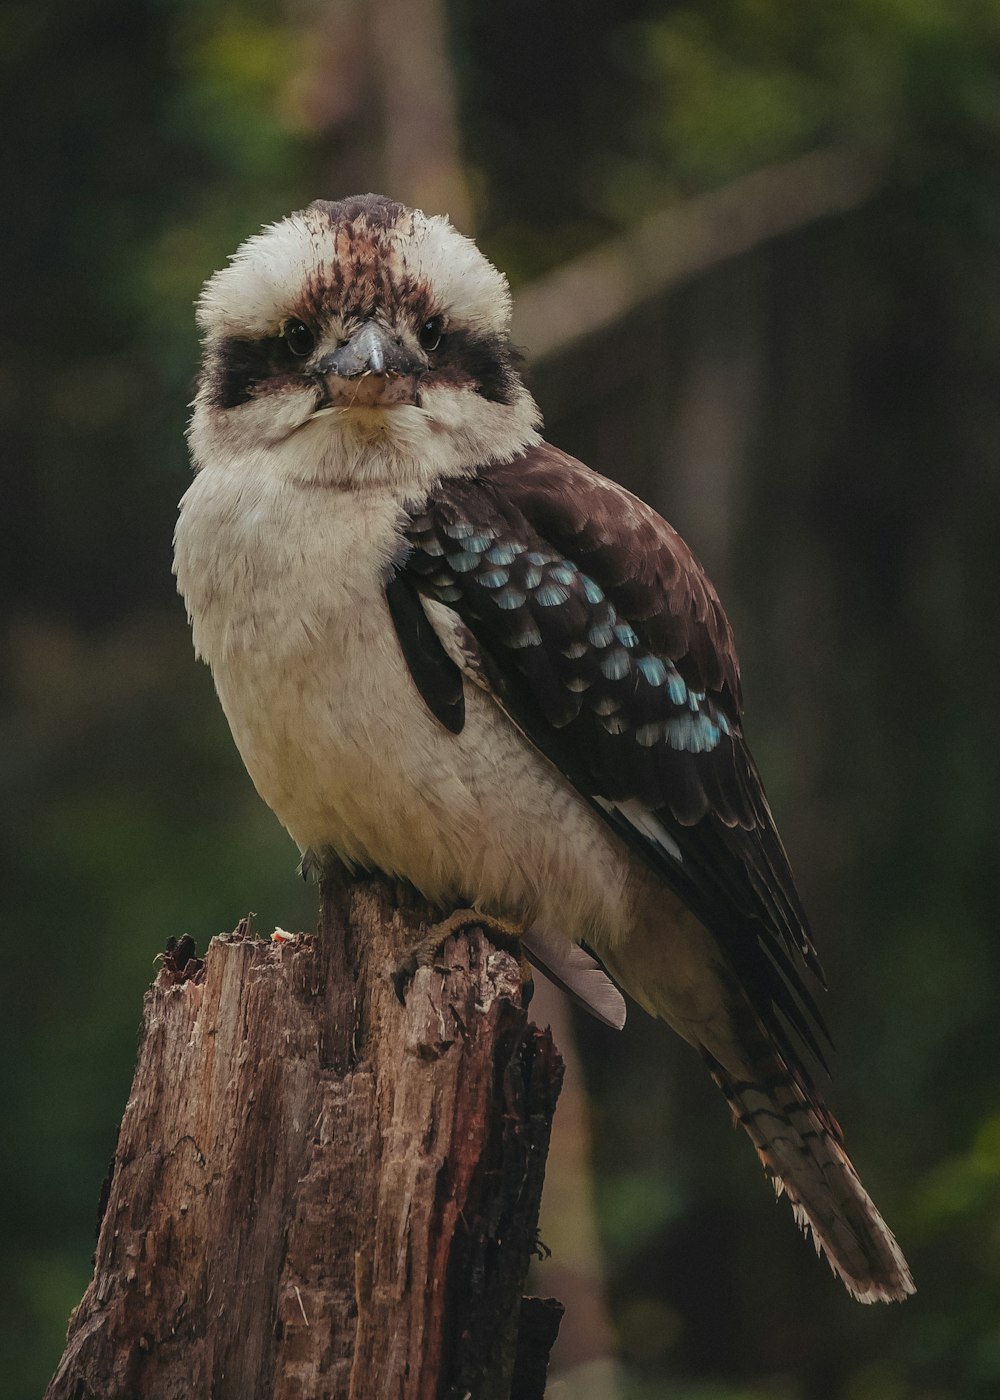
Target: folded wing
[605,641]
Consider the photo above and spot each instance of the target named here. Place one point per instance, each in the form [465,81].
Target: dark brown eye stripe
[238,366]
[488,363]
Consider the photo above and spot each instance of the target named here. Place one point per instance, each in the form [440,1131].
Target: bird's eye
[431,333]
[299,338]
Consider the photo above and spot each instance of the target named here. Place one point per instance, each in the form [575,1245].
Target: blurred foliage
[666,99]
[145,140]
[737,83]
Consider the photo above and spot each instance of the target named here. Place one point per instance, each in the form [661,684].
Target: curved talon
[504,934]
[404,975]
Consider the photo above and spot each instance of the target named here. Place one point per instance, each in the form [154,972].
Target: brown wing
[646,569]
[608,645]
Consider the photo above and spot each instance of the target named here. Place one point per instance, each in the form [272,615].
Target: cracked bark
[320,1191]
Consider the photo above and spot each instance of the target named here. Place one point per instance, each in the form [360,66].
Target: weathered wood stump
[326,1184]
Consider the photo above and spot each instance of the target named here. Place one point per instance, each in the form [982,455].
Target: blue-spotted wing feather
[607,644]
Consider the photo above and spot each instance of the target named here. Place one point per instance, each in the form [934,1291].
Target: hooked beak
[371,370]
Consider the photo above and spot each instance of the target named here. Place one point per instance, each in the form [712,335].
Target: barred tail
[801,1146]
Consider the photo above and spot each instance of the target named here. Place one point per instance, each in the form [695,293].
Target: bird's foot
[502,932]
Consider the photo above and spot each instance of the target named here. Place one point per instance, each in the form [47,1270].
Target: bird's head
[359,341]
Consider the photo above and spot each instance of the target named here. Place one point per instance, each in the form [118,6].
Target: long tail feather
[802,1149]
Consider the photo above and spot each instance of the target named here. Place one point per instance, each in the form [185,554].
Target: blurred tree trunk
[421,152]
[321,1189]
[600,289]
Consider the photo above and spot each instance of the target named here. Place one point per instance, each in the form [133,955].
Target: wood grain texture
[320,1190]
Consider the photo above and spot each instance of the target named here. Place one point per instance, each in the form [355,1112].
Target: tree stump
[327,1177]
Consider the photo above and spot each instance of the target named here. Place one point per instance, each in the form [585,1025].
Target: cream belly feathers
[285,586]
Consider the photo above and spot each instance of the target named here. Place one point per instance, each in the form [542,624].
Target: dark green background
[855,542]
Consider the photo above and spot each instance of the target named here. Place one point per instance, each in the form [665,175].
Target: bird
[451,653]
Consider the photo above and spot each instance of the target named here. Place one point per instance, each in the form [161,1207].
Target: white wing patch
[645,822]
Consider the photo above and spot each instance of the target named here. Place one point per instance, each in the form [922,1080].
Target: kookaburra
[450,652]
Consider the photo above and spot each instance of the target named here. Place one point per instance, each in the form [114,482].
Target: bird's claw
[501,932]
